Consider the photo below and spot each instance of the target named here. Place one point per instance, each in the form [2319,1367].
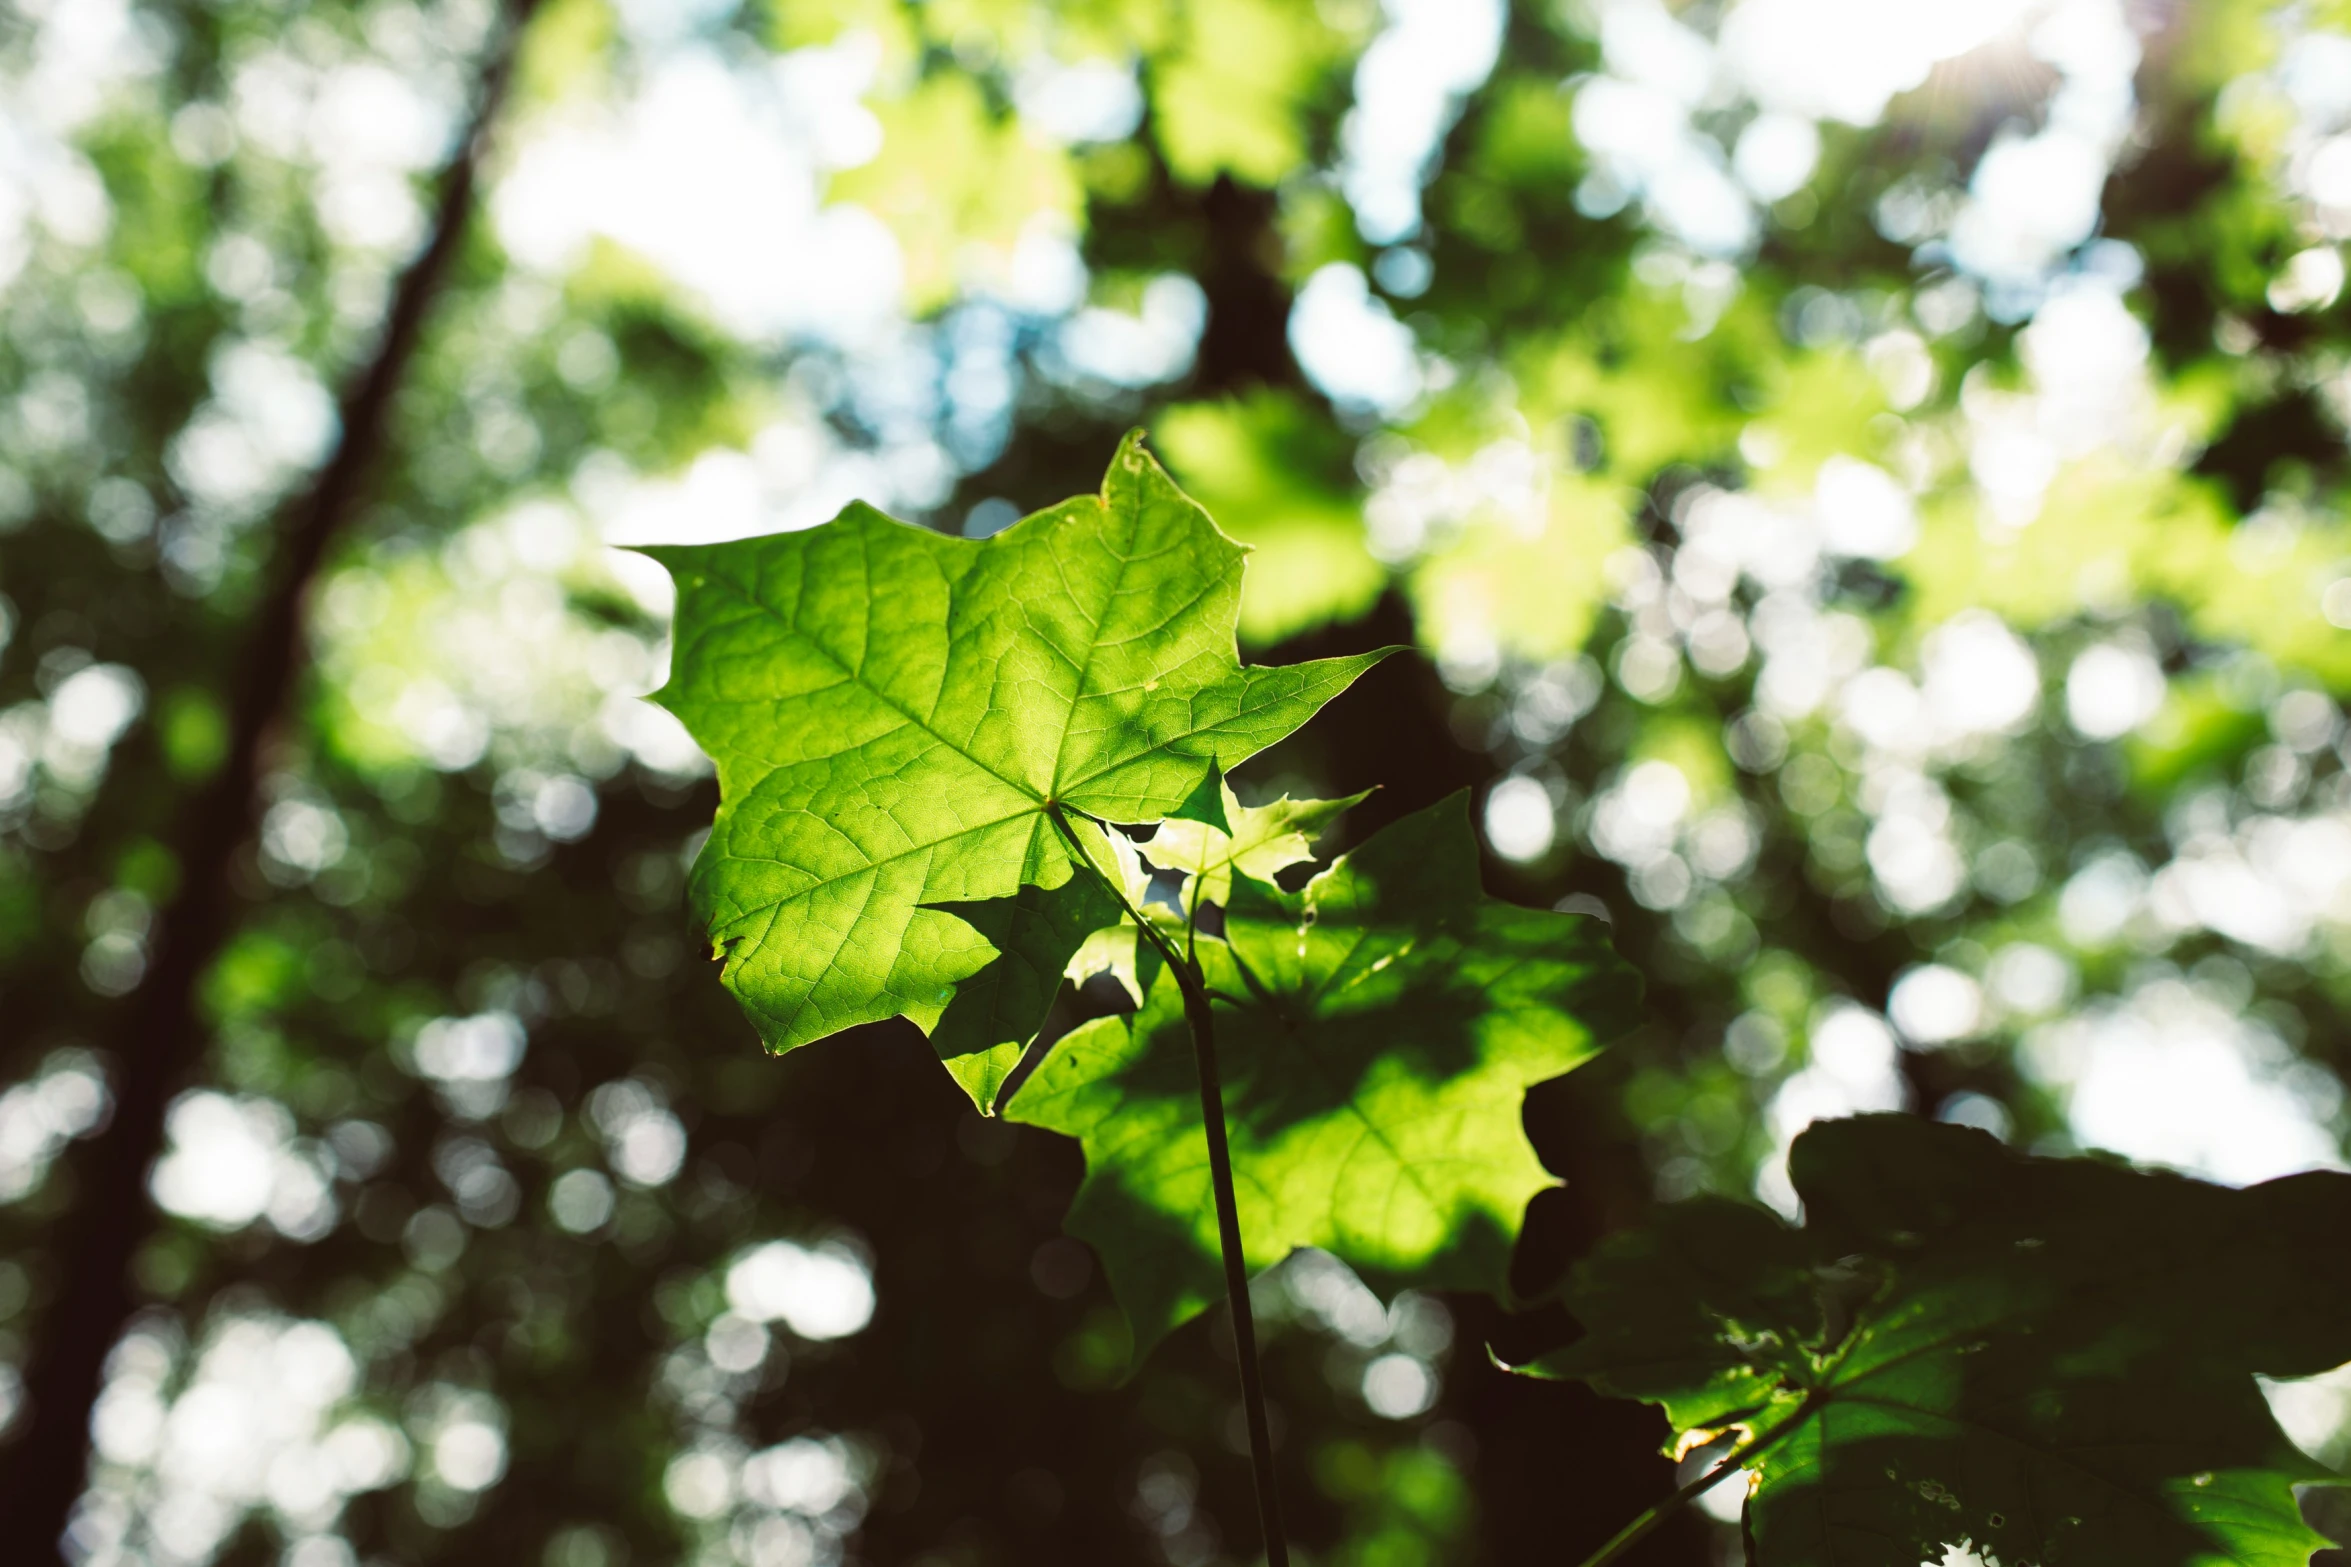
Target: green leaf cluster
[919,740]
[925,745]
[1282,481]
[2041,1360]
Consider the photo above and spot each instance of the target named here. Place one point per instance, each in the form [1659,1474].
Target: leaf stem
[1200,1021]
[1640,1528]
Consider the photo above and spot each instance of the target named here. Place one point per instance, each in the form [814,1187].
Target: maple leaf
[1378,1032]
[892,712]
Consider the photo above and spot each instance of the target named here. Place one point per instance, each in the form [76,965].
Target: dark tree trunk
[1246,342]
[159,1036]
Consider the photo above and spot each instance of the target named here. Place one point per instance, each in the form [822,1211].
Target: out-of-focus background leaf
[1868,483]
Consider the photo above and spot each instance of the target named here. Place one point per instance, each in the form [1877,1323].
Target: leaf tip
[1206,803]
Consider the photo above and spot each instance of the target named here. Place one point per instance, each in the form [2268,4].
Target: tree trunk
[160,1036]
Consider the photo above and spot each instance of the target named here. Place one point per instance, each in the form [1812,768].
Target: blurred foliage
[951,176]
[1914,617]
[1281,481]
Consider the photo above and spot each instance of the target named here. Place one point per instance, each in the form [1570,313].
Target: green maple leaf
[2048,1360]
[1377,1033]
[892,712]
[1257,840]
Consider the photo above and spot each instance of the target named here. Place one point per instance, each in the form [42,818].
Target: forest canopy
[1860,495]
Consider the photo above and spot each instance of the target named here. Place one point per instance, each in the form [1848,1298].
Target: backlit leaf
[1258,840]
[1233,94]
[892,711]
[957,184]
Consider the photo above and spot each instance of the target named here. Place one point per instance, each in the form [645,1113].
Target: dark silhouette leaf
[2041,1360]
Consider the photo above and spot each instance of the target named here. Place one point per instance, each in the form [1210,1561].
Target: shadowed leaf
[996,1013]
[1206,805]
[1377,1033]
[2050,1360]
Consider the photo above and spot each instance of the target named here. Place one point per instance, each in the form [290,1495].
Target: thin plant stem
[1192,920]
[1195,895]
[1200,1021]
[1640,1528]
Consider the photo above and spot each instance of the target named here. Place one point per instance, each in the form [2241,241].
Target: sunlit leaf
[894,26]
[2133,534]
[1655,390]
[1232,95]
[892,712]
[1260,841]
[1531,584]
[1118,949]
[952,179]
[566,53]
